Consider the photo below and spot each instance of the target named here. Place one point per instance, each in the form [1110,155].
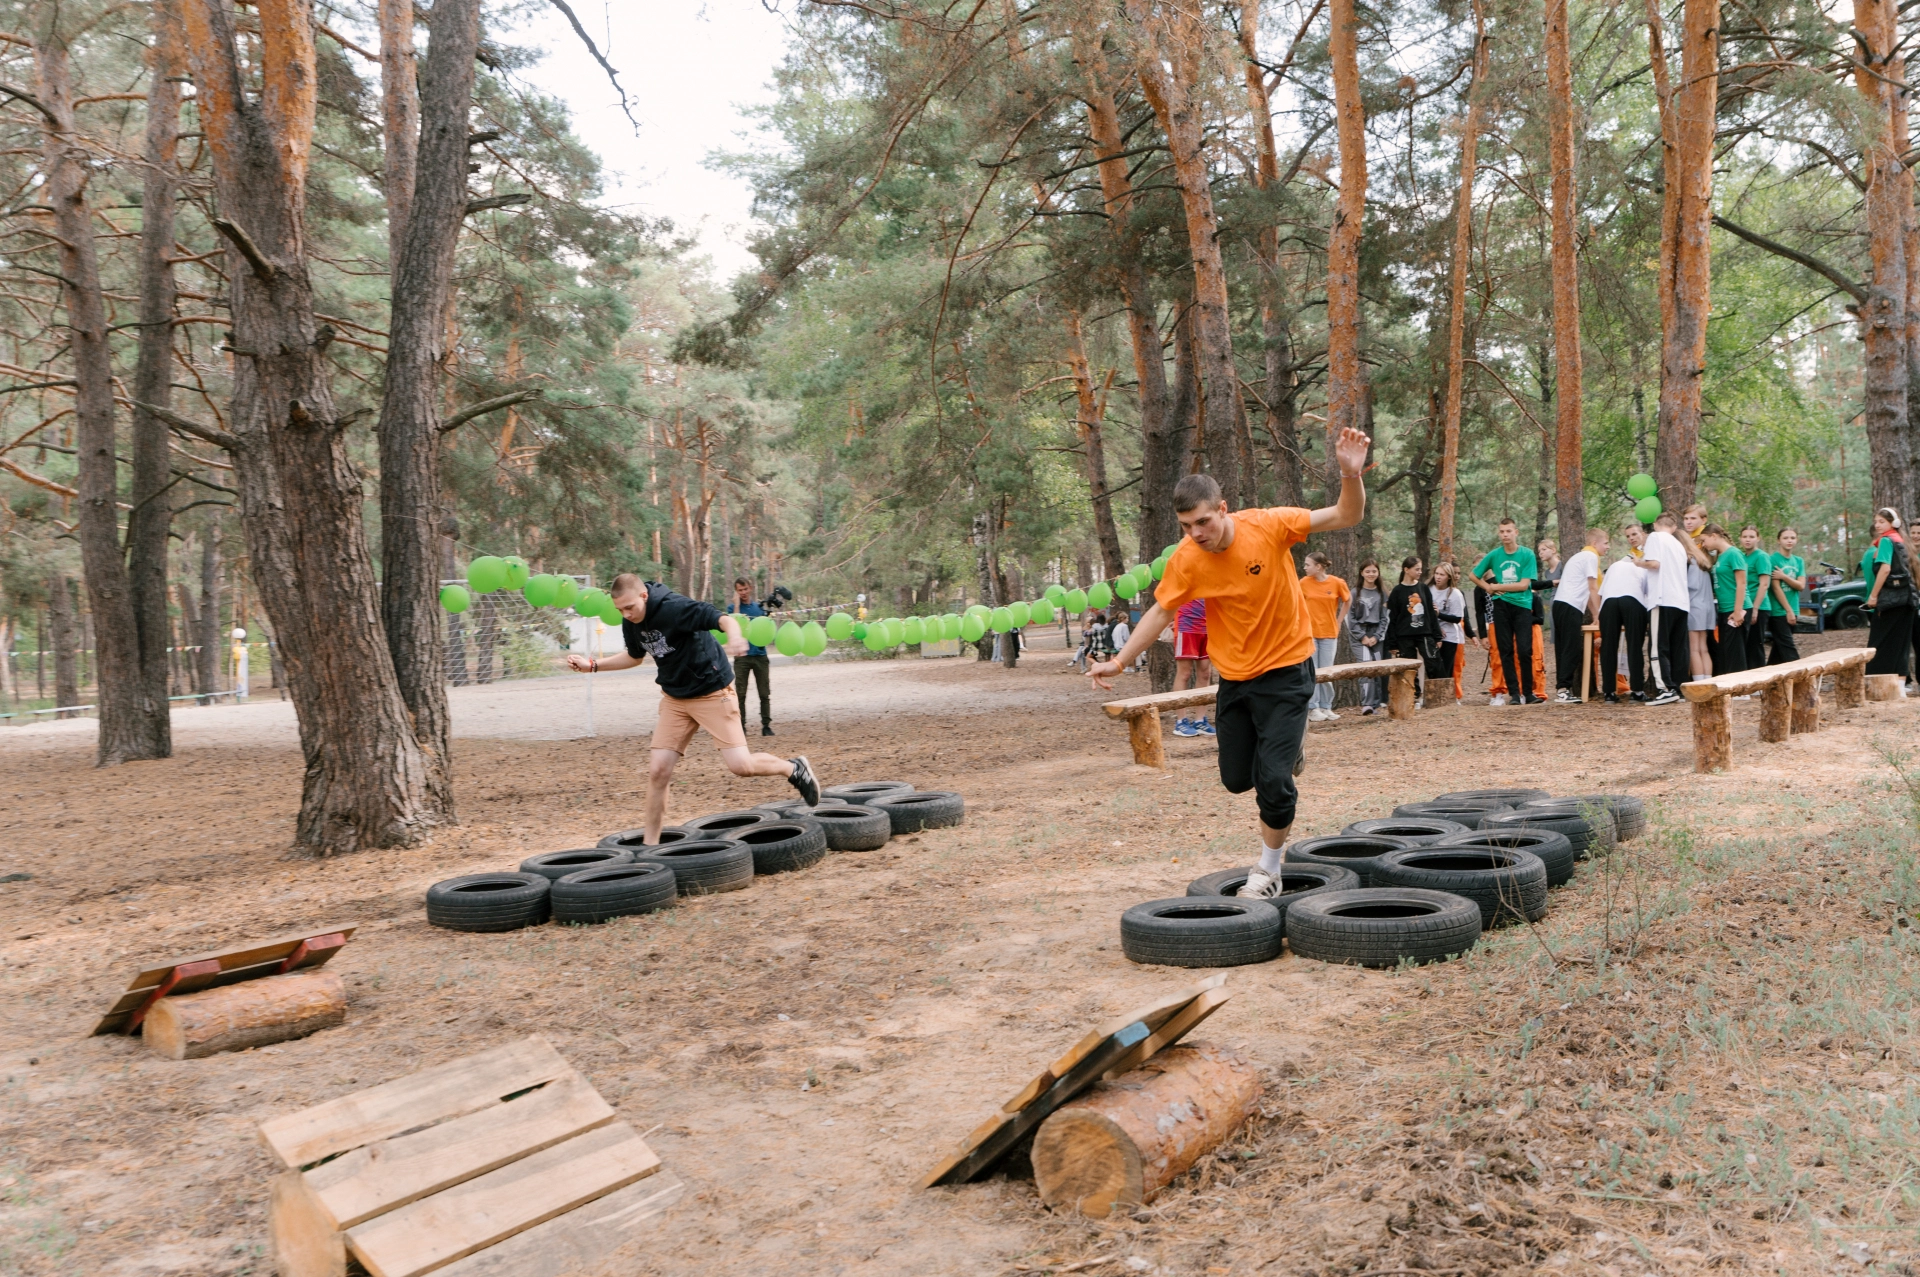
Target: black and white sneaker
[1564,697]
[804,780]
[1668,697]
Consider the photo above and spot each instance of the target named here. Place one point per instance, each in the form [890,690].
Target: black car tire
[728,824]
[635,840]
[1383,926]
[779,846]
[852,826]
[1849,616]
[558,864]
[1298,880]
[1550,845]
[489,902]
[921,809]
[864,791]
[1587,826]
[1471,813]
[595,895]
[1510,797]
[785,806]
[1359,853]
[1509,885]
[1201,931]
[1629,812]
[1418,830]
[705,866]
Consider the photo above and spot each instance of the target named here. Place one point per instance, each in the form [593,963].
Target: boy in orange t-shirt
[1327,599]
[1259,636]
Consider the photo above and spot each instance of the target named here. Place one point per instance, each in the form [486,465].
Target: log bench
[1789,700]
[1143,712]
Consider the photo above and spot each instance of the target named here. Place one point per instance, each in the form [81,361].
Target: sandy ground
[803,1051]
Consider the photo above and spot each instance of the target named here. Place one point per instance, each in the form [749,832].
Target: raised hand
[1350,450]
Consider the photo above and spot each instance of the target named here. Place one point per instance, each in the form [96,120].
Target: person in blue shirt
[754,664]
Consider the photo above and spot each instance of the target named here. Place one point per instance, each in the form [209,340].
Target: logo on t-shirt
[655,642]
[1253,569]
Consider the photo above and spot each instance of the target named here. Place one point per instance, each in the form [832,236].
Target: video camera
[780,597]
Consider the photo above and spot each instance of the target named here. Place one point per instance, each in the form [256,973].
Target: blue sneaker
[1206,727]
[1185,727]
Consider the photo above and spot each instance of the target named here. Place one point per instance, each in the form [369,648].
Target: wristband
[1345,475]
[596,665]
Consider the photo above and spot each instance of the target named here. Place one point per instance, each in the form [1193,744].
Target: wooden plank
[574,1242]
[437,1230]
[305,1242]
[1183,1022]
[377,1178]
[1162,702]
[450,1090]
[1745,682]
[244,963]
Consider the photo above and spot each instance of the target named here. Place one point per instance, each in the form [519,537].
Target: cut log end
[1401,698]
[1885,687]
[1712,735]
[1776,711]
[1143,731]
[253,1013]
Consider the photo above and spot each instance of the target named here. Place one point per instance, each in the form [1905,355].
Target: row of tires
[1417,886]
[626,875]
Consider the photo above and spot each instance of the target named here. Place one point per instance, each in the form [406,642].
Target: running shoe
[1328,716]
[1261,885]
[1366,709]
[1185,727]
[804,780]
[1666,698]
[1206,727]
[766,729]
[1564,697]
[1493,701]
[1534,700]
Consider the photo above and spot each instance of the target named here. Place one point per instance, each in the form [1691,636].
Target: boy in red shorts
[1191,668]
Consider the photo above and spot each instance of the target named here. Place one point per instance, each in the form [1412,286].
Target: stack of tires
[1417,886]
[626,874]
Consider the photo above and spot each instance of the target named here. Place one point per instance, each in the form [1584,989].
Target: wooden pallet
[505,1162]
[1105,1052]
[301,952]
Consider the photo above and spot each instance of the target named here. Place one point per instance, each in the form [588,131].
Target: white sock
[1271,859]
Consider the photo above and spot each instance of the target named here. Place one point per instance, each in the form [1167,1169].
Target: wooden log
[238,1016]
[1117,1146]
[305,1241]
[1712,735]
[1401,693]
[1776,710]
[1850,685]
[1143,731]
[1885,687]
[1806,703]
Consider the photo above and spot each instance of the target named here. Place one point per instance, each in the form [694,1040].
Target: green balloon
[1056,594]
[1142,571]
[859,630]
[1642,486]
[565,591]
[539,590]
[787,641]
[876,639]
[972,627]
[1647,509]
[611,614]
[587,602]
[487,574]
[1126,587]
[813,639]
[916,630]
[839,626]
[1076,601]
[1168,552]
[760,631]
[896,631]
[1100,595]
[517,571]
[980,610]
[950,625]
[1043,613]
[1021,613]
[1159,568]
[455,598]
[1002,620]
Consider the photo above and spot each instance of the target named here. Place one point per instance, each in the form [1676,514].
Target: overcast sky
[688,66]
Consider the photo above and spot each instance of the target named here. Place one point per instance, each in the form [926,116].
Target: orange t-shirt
[1323,603]
[1256,617]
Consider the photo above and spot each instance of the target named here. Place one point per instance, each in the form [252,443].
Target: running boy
[1258,635]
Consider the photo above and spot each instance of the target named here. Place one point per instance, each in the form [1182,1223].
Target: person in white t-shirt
[1624,591]
[1575,600]
[1666,558]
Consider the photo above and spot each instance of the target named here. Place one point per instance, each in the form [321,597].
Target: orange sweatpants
[1539,667]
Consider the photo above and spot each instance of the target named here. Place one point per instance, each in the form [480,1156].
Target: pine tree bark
[1889,204]
[1092,403]
[399,119]
[132,725]
[1167,62]
[1280,415]
[367,780]
[60,631]
[1687,123]
[1568,482]
[409,409]
[1346,380]
[206,631]
[1457,284]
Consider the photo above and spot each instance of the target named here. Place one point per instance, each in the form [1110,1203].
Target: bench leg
[1401,696]
[1850,686]
[1143,730]
[1806,704]
[1776,710]
[1713,735]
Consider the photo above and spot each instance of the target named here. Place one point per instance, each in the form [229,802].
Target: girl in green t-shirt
[1727,644]
[1781,606]
[1888,568]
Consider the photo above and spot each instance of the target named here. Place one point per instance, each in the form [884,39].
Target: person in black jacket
[696,687]
[1413,625]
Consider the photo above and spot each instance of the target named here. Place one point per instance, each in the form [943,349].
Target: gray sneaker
[1261,885]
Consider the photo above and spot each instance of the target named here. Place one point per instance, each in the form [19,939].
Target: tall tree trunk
[132,725]
[1346,380]
[416,348]
[1687,122]
[1092,401]
[400,122]
[983,565]
[1568,482]
[367,781]
[59,630]
[1276,336]
[1168,64]
[206,630]
[456,621]
[1543,492]
[1457,283]
[1883,319]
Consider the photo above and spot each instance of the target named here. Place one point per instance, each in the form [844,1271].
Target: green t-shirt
[1759,564]
[1520,565]
[1879,552]
[1724,582]
[1786,565]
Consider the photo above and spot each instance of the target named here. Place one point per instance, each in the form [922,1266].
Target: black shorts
[1260,724]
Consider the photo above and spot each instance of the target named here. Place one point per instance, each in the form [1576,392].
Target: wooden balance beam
[1789,700]
[1143,712]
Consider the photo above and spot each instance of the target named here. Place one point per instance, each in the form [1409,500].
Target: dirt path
[806,1048]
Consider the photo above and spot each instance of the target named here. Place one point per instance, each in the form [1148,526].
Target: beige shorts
[680,719]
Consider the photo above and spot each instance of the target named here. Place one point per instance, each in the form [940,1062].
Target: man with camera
[754,664]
